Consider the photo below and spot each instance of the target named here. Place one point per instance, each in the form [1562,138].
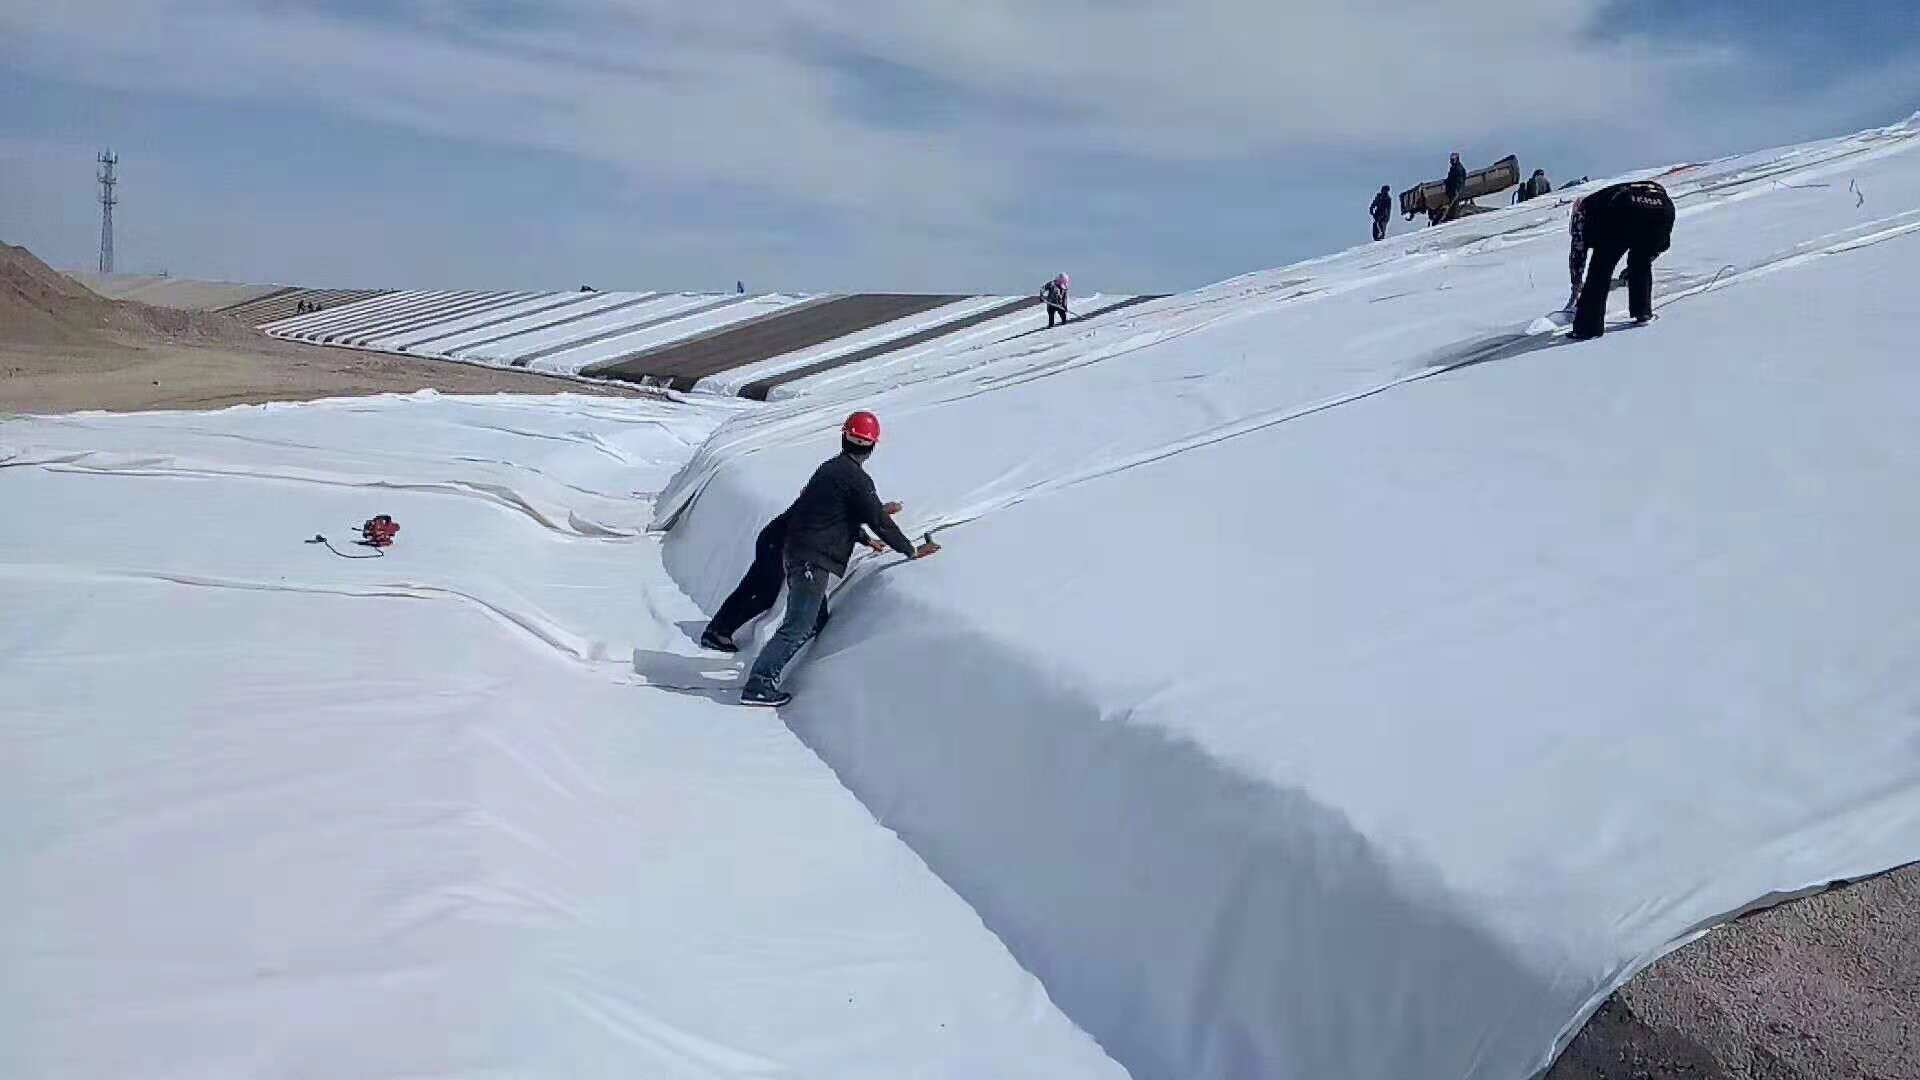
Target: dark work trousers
[757,591]
[1379,228]
[1056,311]
[1641,235]
[806,601]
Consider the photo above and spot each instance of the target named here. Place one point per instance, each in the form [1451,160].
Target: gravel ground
[1822,988]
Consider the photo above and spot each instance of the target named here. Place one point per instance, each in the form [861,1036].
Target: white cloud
[761,96]
[1221,78]
[709,110]
[738,92]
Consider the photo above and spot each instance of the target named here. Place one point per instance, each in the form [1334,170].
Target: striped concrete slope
[1004,323]
[732,379]
[428,336]
[351,326]
[484,303]
[640,320]
[315,326]
[682,364]
[185,294]
[646,309]
[285,303]
[582,354]
[469,344]
[359,321]
[757,346]
[758,389]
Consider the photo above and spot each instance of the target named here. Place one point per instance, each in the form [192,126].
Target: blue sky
[840,144]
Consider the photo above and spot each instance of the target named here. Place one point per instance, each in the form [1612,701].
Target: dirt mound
[38,304]
[177,325]
[41,307]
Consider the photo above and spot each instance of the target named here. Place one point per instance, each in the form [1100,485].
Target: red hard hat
[861,427]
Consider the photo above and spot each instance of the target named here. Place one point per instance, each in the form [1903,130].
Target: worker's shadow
[716,678]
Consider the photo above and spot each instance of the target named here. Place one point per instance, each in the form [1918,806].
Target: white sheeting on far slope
[1326,678]
[581,357]
[455,346]
[730,382]
[269,812]
[948,352]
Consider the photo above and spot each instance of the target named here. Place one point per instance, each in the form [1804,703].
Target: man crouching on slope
[822,525]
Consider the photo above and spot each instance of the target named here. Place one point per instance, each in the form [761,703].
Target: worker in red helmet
[822,526]
[760,586]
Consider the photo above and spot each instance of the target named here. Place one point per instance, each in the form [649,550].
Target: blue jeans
[806,599]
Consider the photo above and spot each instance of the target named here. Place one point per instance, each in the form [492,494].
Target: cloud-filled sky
[839,144]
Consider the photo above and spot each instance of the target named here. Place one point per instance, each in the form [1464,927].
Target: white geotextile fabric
[269,812]
[1327,677]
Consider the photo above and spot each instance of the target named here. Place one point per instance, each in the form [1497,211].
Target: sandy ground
[124,376]
[1823,988]
[65,348]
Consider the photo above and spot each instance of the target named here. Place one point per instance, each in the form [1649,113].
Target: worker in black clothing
[760,587]
[1456,180]
[822,525]
[1634,220]
[1382,210]
[1054,293]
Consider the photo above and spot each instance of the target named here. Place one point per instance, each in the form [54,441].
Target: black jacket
[1638,214]
[1456,179]
[1382,207]
[825,520]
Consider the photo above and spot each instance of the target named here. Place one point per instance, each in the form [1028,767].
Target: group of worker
[1632,221]
[1454,187]
[812,541]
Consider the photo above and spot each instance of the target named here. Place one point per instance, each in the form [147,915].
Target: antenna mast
[107,159]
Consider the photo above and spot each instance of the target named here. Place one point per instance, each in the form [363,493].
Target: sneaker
[764,697]
[717,642]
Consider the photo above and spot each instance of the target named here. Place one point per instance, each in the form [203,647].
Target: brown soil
[1822,988]
[65,348]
